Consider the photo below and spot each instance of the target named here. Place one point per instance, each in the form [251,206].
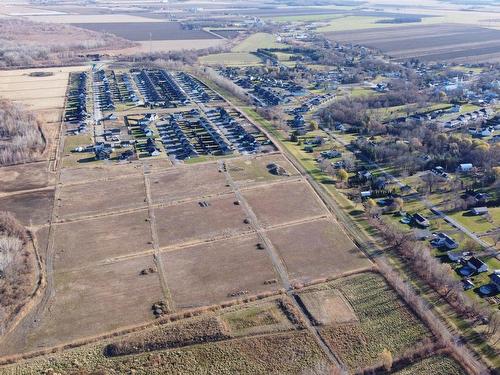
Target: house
[477,265]
[476,211]
[330,154]
[443,240]
[466,167]
[457,256]
[467,284]
[421,220]
[495,279]
[364,175]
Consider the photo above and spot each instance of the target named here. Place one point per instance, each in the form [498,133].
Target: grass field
[24,177]
[385,322]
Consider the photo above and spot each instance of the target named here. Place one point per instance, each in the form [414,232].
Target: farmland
[429,42]
[385,322]
[147,30]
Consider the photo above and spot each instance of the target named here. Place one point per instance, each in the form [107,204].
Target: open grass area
[385,322]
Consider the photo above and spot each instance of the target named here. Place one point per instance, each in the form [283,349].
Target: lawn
[477,224]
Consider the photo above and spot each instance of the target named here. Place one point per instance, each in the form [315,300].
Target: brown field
[316,249]
[38,93]
[76,175]
[208,273]
[94,300]
[452,42]
[102,196]
[251,171]
[281,203]
[86,242]
[24,177]
[189,221]
[328,307]
[187,182]
[30,208]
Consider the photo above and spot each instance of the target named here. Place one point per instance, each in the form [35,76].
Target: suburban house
[476,211]
[443,240]
[457,256]
[420,220]
[477,265]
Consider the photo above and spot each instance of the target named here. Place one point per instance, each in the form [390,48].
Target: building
[479,211]
[443,240]
[477,265]
[421,220]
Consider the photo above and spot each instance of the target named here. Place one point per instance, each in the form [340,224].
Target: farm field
[317,249]
[138,31]
[231,59]
[43,94]
[436,365]
[167,45]
[384,322]
[283,203]
[210,273]
[256,41]
[461,43]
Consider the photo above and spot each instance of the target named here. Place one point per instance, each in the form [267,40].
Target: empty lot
[187,182]
[285,202]
[191,221]
[451,42]
[209,273]
[32,208]
[102,197]
[94,300]
[86,242]
[316,249]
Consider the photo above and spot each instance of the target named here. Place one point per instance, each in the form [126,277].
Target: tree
[342,174]
[399,203]
[386,358]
